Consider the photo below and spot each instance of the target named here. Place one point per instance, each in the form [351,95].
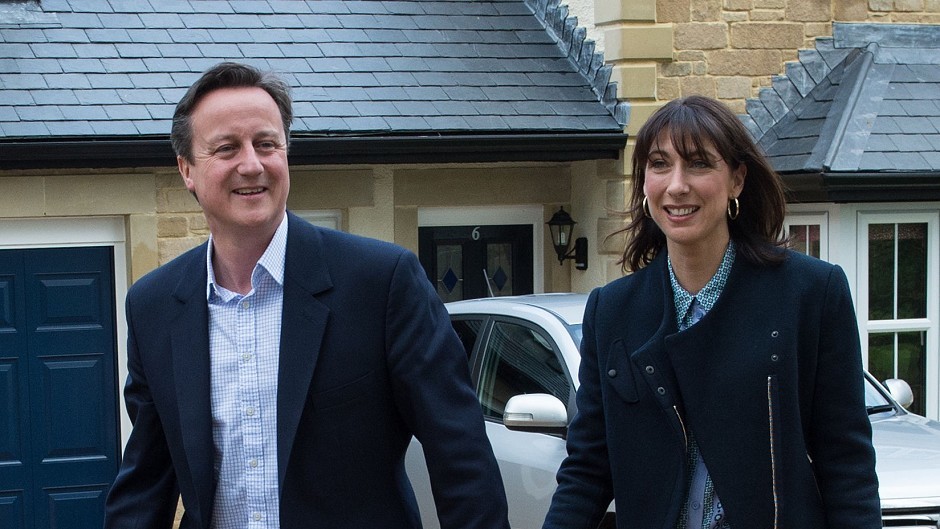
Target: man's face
[239,170]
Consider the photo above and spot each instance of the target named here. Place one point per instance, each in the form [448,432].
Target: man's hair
[226,75]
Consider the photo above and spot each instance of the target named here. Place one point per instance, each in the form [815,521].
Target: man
[278,372]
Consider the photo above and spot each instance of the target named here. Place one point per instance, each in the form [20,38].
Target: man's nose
[250,162]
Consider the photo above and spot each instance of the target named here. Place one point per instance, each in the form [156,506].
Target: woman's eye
[699,164]
[658,164]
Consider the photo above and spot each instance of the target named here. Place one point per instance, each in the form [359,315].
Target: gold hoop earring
[737,208]
[646,207]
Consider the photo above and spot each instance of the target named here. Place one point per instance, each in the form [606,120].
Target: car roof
[569,307]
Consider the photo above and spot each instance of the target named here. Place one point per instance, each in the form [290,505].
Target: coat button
[661,390]
[774,357]
[650,370]
[612,373]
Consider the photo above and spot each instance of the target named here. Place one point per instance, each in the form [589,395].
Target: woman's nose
[678,184]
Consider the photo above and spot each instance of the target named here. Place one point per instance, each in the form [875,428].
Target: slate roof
[857,118]
[83,73]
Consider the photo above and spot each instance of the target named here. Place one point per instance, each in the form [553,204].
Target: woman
[721,382]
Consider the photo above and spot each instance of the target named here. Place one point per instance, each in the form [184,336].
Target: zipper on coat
[682,424]
[773,455]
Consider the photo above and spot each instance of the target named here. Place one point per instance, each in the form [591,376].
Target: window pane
[912,270]
[804,238]
[518,360]
[467,331]
[450,272]
[499,268]
[912,367]
[911,353]
[798,238]
[881,271]
[881,356]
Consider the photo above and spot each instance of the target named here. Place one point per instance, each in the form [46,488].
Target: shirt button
[256,516]
[696,506]
[245,304]
[249,411]
[246,356]
[253,463]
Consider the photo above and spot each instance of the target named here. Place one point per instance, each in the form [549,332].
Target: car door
[517,357]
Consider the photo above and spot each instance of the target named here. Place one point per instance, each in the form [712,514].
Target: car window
[874,397]
[467,330]
[518,359]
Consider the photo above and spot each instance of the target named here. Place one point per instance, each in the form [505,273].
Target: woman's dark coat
[770,381]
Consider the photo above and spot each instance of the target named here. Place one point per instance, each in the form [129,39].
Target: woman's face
[688,199]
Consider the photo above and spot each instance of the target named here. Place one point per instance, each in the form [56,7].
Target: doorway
[468,262]
[59,441]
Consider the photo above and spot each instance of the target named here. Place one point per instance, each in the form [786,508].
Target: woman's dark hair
[693,123]
[226,75]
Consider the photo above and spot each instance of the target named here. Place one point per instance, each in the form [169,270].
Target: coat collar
[303,324]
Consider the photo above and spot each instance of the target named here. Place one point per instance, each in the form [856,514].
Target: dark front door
[58,411]
[466,262]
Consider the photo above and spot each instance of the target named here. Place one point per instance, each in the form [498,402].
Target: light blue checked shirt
[244,340]
[702,508]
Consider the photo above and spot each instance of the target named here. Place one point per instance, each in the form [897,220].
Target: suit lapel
[190,344]
[303,324]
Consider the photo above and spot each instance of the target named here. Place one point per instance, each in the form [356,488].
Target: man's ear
[184,169]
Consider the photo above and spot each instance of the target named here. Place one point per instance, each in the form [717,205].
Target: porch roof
[95,82]
[857,118]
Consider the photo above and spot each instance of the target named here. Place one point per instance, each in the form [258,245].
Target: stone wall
[726,49]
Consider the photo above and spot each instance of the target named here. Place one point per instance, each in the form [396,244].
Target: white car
[523,354]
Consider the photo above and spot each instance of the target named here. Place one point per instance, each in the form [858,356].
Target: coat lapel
[303,324]
[190,345]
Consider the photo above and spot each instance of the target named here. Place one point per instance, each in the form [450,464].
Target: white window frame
[930,324]
[325,218]
[818,218]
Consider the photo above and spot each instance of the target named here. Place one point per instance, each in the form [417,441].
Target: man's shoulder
[341,245]
[167,277]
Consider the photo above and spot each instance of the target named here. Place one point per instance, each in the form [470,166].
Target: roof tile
[403,65]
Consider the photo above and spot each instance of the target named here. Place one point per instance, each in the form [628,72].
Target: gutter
[155,151]
[914,186]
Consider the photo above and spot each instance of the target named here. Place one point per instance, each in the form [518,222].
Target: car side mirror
[900,391]
[536,412]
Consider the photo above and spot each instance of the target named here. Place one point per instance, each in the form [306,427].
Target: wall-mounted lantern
[561,225]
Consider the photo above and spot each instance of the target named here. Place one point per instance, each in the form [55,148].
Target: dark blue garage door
[58,411]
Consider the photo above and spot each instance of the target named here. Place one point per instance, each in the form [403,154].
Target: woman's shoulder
[641,282]
[800,270]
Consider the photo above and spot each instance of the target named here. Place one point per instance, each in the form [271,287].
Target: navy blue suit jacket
[368,358]
[769,382]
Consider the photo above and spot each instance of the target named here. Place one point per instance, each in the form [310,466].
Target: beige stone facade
[163,220]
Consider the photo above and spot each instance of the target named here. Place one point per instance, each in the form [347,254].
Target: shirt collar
[708,296]
[271,261]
